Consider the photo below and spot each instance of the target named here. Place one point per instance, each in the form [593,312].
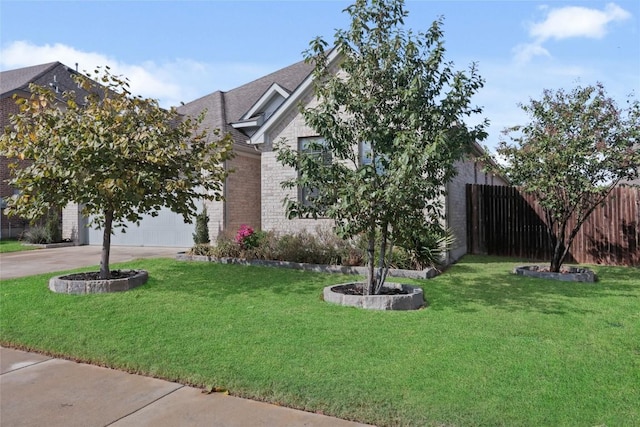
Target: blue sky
[180,50]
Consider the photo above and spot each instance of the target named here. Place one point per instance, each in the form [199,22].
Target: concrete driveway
[39,261]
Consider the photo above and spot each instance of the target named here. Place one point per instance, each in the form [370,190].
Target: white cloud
[172,82]
[577,21]
[568,22]
[525,52]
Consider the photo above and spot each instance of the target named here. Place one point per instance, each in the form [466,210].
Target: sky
[177,51]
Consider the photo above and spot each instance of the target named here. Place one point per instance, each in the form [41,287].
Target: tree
[117,155]
[576,148]
[201,236]
[393,96]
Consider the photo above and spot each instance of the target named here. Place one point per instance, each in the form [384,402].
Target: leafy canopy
[116,155]
[391,92]
[577,146]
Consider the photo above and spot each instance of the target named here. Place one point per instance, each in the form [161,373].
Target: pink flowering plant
[246,237]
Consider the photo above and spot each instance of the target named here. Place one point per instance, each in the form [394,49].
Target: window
[366,157]
[312,146]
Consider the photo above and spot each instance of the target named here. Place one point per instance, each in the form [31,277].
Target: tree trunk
[105,273]
[382,265]
[557,258]
[371,248]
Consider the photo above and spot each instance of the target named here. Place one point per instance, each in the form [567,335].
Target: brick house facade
[257,115]
[288,126]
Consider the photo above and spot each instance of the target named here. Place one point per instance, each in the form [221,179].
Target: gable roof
[224,108]
[12,81]
[54,75]
[292,101]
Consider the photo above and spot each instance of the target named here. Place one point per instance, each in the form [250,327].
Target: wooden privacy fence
[504,221]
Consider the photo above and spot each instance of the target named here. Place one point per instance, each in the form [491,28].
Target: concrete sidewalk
[38,261]
[37,390]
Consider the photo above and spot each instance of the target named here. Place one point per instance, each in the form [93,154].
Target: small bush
[321,247]
[201,236]
[203,249]
[246,237]
[37,234]
[52,227]
[226,248]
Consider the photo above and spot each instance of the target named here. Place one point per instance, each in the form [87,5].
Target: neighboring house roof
[232,107]
[54,74]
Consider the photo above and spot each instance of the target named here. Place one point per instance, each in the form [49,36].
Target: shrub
[321,247]
[201,236]
[246,237]
[52,227]
[37,234]
[204,249]
[226,248]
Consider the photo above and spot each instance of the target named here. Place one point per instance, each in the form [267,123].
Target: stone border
[569,274]
[428,273]
[413,300]
[50,245]
[79,287]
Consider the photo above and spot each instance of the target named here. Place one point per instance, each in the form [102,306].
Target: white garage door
[166,229]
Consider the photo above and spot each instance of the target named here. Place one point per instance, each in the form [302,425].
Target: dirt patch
[358,289]
[95,275]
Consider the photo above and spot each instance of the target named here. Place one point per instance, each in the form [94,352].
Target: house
[266,110]
[242,112]
[256,115]
[15,83]
[287,124]
[239,112]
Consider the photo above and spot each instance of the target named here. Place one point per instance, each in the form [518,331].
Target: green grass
[491,349]
[14,246]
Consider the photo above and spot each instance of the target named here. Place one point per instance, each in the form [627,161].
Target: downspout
[224,130]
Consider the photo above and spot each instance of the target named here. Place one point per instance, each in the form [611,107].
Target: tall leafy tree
[576,148]
[117,155]
[393,95]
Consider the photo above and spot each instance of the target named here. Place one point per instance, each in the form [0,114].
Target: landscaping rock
[408,297]
[427,273]
[69,285]
[567,274]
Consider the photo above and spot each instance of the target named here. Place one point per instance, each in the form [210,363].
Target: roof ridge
[267,76]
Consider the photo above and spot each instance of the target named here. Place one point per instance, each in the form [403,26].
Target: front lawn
[491,349]
[14,246]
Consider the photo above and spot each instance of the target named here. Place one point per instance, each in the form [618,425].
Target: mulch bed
[95,275]
[358,288]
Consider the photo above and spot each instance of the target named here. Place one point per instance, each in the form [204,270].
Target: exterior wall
[14,226]
[242,197]
[74,224]
[274,215]
[215,210]
[293,127]
[243,192]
